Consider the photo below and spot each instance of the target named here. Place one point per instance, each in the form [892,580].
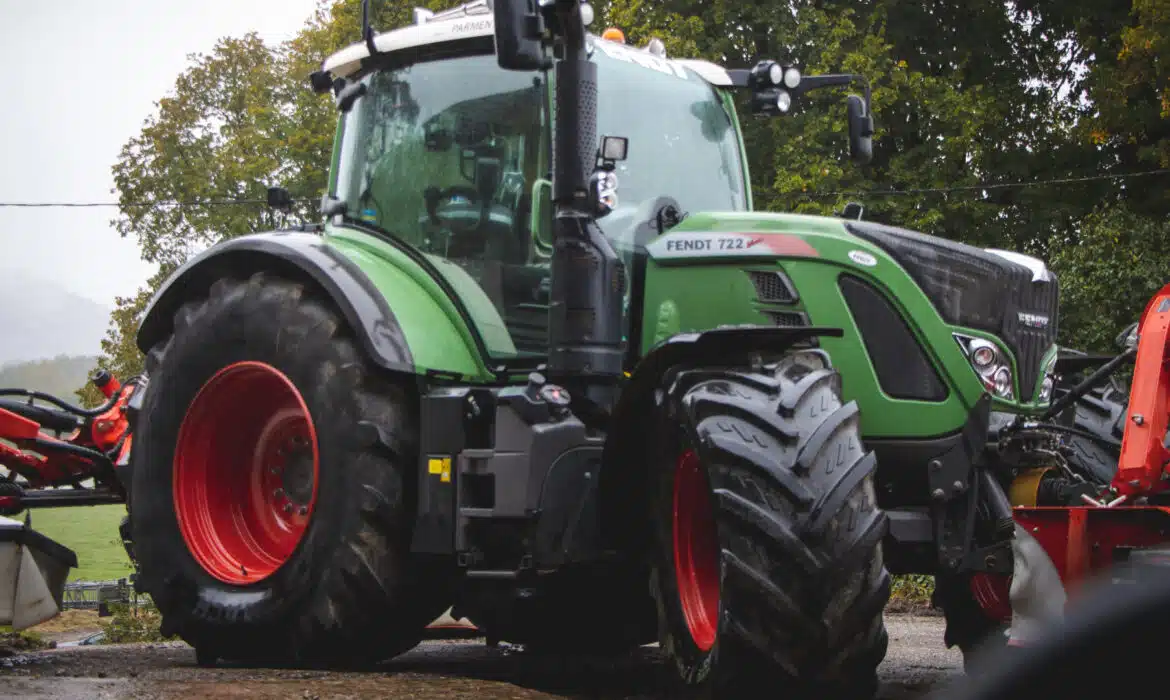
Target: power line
[833,193]
[156,203]
[983,186]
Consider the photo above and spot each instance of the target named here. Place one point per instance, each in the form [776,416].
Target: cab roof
[474,20]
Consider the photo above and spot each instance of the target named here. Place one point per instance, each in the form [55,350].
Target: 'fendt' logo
[1032,320]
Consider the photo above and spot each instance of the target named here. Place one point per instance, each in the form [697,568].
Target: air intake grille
[788,319]
[903,369]
[773,287]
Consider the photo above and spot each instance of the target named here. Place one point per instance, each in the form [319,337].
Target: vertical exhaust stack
[588,279]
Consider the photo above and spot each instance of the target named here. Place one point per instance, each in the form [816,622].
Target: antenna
[367,30]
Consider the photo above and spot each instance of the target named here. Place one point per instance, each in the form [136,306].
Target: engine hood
[1007,294]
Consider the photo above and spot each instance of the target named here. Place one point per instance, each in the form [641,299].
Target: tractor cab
[445,151]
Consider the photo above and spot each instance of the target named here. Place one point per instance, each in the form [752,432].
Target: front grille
[773,287]
[1029,343]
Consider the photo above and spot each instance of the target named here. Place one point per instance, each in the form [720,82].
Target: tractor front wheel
[768,571]
[273,474]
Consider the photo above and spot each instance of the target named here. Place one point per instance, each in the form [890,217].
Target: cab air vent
[773,287]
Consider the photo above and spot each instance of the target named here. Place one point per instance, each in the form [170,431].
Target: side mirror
[1128,338]
[279,199]
[860,130]
[518,34]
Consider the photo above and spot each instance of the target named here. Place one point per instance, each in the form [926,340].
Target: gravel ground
[449,670]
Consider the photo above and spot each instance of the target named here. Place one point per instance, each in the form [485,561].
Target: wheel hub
[296,475]
[245,473]
[696,551]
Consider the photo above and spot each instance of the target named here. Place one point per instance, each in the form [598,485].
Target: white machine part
[1037,594]
[33,571]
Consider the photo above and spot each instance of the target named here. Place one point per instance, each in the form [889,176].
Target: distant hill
[40,319]
[60,376]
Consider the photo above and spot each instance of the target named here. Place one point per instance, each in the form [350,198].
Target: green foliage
[911,593]
[1110,271]
[239,119]
[131,624]
[15,642]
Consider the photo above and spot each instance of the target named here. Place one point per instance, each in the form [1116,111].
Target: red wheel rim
[245,473]
[992,594]
[696,551]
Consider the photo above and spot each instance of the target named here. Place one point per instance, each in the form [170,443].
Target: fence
[90,595]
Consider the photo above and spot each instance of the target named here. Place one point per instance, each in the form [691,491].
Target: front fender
[302,255]
[623,484]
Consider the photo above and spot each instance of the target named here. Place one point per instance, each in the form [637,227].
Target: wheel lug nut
[278,493]
[287,507]
[304,510]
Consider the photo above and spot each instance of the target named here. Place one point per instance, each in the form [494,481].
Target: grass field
[92,532]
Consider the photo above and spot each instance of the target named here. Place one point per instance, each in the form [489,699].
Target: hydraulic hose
[65,405]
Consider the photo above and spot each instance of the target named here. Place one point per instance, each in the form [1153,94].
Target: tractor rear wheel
[768,569]
[271,506]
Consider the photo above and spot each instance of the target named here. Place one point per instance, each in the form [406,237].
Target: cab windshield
[684,143]
[450,156]
[446,156]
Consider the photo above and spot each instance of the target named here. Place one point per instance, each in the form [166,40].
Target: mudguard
[298,253]
[622,481]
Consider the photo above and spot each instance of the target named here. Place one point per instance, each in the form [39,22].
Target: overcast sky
[82,76]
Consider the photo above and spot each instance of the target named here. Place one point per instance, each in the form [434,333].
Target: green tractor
[575,386]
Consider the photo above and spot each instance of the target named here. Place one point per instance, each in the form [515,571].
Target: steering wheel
[1112,643]
[435,196]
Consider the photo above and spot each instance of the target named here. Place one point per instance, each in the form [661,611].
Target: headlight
[1049,383]
[783,101]
[989,363]
[1003,382]
[983,354]
[791,78]
[1046,389]
[775,73]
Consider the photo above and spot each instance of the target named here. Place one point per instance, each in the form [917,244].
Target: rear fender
[623,481]
[301,255]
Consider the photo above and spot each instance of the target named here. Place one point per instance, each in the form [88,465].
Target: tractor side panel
[897,357]
[443,336]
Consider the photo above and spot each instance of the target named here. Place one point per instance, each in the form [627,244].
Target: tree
[120,355]
[240,119]
[1109,272]
[960,93]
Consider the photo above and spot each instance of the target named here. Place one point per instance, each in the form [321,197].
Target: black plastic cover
[902,366]
[976,289]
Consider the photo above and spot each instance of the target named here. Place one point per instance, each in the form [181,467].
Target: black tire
[802,582]
[1090,459]
[349,593]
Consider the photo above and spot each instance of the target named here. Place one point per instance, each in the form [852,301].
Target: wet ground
[448,670]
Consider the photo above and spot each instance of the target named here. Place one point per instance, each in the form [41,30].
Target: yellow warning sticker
[440,466]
